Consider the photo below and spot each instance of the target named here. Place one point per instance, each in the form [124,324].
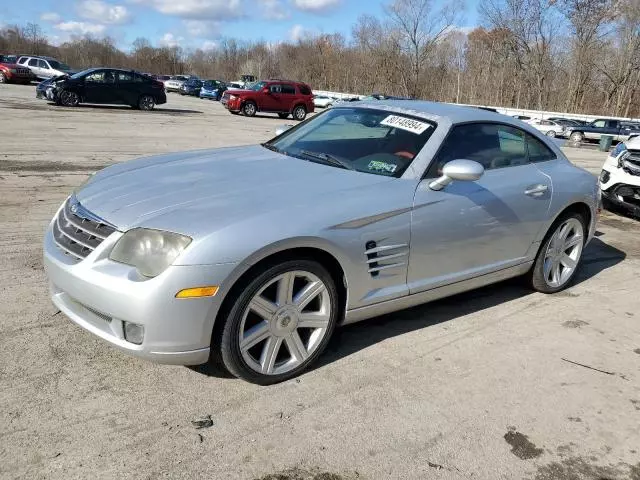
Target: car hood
[195,193]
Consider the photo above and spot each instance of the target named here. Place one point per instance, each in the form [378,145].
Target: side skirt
[370,311]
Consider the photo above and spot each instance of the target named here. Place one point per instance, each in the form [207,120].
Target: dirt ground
[478,386]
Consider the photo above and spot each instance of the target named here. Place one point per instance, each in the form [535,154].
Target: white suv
[45,67]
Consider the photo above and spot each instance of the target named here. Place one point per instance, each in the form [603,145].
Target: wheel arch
[578,206]
[268,257]
[299,104]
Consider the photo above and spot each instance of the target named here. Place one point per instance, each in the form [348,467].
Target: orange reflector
[197,292]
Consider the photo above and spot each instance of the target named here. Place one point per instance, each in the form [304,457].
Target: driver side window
[492,145]
[95,77]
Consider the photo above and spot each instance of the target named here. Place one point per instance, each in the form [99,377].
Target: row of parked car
[579,131]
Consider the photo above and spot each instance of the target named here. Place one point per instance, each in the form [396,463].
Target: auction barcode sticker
[408,124]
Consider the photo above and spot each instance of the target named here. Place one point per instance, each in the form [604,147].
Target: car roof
[435,110]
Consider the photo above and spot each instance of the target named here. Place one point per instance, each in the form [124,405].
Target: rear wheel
[280,323]
[576,136]
[69,99]
[249,109]
[559,256]
[146,102]
[299,113]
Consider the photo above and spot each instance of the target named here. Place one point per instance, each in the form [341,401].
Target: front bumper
[621,188]
[99,294]
[207,94]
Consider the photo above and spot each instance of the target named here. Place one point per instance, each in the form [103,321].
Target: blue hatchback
[212,89]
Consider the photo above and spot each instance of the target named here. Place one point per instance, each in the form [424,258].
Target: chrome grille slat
[76,235]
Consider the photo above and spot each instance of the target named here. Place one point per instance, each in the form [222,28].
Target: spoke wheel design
[551,133]
[146,102]
[299,113]
[563,253]
[249,109]
[285,322]
[3,79]
[69,99]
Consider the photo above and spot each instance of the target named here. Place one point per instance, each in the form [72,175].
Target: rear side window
[290,89]
[538,151]
[492,145]
[304,90]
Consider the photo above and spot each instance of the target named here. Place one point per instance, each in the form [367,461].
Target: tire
[252,361]
[3,78]
[576,137]
[283,115]
[69,99]
[553,252]
[551,134]
[146,102]
[299,113]
[249,109]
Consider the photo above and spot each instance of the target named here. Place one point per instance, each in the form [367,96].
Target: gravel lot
[477,386]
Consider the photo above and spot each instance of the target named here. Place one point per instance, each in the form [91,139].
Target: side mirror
[281,129]
[462,170]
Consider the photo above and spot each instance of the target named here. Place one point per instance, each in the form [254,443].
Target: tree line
[578,56]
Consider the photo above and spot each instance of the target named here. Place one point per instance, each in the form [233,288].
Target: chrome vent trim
[78,232]
[378,256]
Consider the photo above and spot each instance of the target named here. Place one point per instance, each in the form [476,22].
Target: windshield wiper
[271,147]
[328,159]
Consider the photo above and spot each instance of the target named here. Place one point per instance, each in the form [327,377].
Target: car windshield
[366,140]
[210,84]
[82,73]
[256,86]
[59,66]
[8,59]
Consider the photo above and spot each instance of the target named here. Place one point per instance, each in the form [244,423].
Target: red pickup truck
[10,72]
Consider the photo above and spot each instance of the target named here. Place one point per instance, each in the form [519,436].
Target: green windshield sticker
[379,166]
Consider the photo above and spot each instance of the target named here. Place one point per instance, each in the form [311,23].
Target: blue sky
[193,23]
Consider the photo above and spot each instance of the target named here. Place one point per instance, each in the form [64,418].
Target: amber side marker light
[197,292]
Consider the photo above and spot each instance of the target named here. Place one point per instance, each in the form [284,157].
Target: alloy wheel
[285,322]
[563,253]
[551,133]
[249,109]
[3,79]
[299,113]
[69,99]
[147,102]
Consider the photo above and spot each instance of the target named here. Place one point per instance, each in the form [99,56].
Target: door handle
[536,190]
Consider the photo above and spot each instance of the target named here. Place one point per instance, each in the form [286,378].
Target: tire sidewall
[244,109]
[3,78]
[576,137]
[537,279]
[67,103]
[302,116]
[229,345]
[140,103]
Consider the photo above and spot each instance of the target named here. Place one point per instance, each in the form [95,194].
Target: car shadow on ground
[155,111]
[598,256]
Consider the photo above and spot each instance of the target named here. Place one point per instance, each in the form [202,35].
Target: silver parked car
[251,256]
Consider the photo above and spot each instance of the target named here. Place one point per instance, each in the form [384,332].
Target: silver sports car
[251,256]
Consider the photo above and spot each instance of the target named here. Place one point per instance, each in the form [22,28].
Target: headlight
[150,251]
[232,97]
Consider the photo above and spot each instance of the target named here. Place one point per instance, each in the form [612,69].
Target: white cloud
[298,32]
[81,28]
[273,10]
[315,5]
[170,40]
[103,12]
[202,28]
[197,9]
[209,45]
[50,17]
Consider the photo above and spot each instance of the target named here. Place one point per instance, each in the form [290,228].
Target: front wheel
[280,323]
[69,99]
[3,78]
[146,102]
[299,113]
[559,256]
[249,109]
[551,133]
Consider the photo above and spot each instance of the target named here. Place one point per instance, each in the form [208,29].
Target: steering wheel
[405,154]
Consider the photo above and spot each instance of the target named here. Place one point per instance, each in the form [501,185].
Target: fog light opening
[133,332]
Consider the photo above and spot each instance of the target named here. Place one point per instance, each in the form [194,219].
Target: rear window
[304,89]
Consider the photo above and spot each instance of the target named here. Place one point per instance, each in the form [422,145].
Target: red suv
[276,96]
[12,73]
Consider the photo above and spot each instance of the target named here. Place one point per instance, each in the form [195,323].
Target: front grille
[631,163]
[629,193]
[23,71]
[77,232]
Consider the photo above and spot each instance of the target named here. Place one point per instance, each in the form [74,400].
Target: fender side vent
[378,257]
[370,246]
